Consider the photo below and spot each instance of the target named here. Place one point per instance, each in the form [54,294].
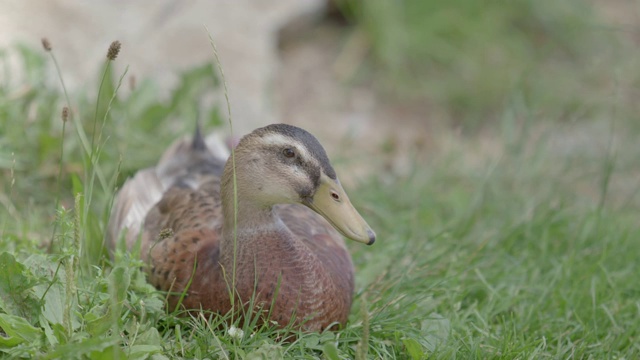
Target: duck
[258,232]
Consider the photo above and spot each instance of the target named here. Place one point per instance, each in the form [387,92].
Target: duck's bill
[332,202]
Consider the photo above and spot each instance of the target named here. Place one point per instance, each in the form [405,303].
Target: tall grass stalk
[112,53]
[97,150]
[69,115]
[65,117]
[233,165]
[82,135]
[79,131]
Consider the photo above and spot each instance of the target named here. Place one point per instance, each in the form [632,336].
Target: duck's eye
[288,152]
[335,196]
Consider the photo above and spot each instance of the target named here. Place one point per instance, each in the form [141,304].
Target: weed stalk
[233,166]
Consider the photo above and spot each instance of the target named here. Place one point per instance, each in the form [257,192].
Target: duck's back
[186,170]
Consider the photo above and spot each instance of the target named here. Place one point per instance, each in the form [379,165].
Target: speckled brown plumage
[288,257]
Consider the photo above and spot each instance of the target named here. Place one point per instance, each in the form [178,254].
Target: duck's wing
[131,205]
[188,163]
[183,227]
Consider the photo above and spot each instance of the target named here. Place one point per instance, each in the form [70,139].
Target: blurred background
[380,72]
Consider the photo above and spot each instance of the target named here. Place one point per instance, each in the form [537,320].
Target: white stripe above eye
[281,140]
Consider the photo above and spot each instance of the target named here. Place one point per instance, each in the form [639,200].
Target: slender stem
[79,130]
[98,149]
[233,165]
[58,182]
[95,114]
[92,154]
[66,96]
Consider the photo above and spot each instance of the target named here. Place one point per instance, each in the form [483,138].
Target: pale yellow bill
[332,202]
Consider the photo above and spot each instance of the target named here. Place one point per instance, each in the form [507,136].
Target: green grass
[519,243]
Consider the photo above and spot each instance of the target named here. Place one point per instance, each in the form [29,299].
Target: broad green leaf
[18,330]
[109,353]
[48,331]
[142,351]
[9,342]
[330,351]
[414,349]
[150,337]
[266,351]
[312,341]
[16,293]
[82,348]
[119,281]
[51,288]
[437,329]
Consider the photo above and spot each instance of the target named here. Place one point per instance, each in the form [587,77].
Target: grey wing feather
[182,164]
[137,196]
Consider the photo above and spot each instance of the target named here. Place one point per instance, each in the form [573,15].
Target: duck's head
[286,164]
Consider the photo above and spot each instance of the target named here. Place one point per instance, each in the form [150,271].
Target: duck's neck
[237,190]
[243,219]
[247,223]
